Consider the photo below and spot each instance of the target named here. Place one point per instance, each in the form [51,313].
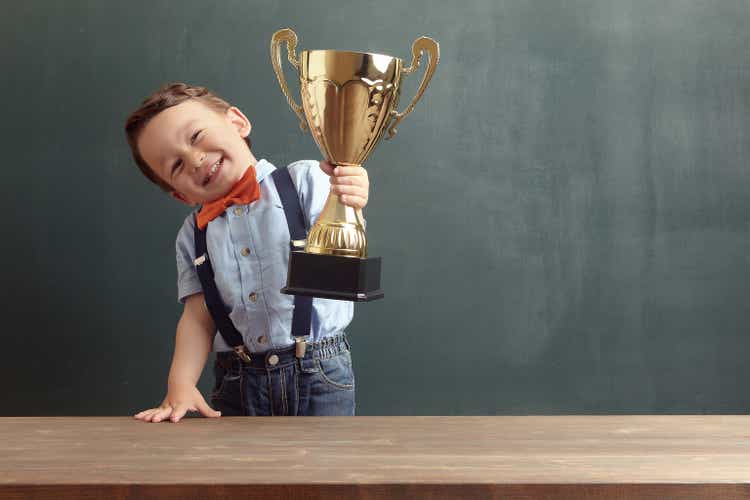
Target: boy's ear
[239,120]
[181,198]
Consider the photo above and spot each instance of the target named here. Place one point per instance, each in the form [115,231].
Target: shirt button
[262,339]
[237,211]
[253,297]
[273,360]
[245,252]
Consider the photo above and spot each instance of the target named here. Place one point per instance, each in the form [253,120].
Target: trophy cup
[348,101]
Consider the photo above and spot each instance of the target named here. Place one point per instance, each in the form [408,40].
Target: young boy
[195,146]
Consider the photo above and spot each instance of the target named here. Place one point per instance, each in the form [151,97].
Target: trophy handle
[421,44]
[290,37]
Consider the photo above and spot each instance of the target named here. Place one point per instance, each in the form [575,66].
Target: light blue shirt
[248,246]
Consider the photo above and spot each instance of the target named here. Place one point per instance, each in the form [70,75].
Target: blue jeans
[277,383]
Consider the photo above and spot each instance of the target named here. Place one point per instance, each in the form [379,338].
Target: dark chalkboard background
[564,220]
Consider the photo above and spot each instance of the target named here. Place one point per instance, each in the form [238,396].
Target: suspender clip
[242,353]
[300,347]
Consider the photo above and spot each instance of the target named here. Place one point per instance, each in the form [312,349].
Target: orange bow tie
[245,191]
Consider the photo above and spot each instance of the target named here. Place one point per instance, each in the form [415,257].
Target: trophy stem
[338,231]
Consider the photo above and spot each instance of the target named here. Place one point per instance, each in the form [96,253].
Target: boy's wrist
[180,381]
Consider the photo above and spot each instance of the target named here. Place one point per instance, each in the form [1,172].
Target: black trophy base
[333,277]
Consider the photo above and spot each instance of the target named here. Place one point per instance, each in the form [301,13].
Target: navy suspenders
[295,219]
[302,315]
[211,294]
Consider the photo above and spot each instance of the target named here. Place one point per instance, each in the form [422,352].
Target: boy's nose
[199,159]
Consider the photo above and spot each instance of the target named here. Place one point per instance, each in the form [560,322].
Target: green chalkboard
[564,220]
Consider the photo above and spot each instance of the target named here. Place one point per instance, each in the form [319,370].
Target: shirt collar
[262,169]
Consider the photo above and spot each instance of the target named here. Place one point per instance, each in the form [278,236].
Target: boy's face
[196,149]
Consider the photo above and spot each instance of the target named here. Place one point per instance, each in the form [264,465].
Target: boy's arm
[195,333]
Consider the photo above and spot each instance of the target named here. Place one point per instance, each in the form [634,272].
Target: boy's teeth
[212,171]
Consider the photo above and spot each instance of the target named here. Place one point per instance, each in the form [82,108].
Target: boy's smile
[198,150]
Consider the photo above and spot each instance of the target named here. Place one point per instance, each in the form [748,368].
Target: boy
[195,146]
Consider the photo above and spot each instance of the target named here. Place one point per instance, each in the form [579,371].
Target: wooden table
[377,457]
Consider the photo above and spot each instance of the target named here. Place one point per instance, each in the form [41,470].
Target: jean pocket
[226,382]
[337,371]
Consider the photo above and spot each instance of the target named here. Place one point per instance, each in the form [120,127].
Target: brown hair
[167,96]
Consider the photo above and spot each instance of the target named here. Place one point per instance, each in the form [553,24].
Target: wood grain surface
[377,457]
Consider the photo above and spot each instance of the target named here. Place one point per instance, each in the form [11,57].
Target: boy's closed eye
[177,164]
[194,137]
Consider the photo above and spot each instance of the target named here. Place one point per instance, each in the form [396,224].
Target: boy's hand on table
[180,399]
[350,183]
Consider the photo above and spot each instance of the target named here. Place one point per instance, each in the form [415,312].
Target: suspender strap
[211,294]
[295,219]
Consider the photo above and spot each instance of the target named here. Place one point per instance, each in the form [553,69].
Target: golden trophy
[348,100]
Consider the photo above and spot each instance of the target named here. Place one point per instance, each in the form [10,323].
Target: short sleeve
[187,277]
[318,187]
[312,186]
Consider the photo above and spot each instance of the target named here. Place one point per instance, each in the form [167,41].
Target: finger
[161,414]
[142,413]
[353,190]
[146,414]
[179,412]
[353,201]
[342,171]
[350,180]
[206,410]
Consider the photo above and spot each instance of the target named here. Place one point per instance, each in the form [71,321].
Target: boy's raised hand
[180,399]
[350,183]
